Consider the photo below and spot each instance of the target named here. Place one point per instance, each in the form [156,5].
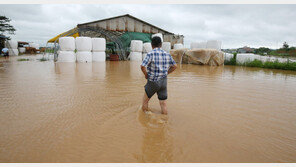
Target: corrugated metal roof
[127,15]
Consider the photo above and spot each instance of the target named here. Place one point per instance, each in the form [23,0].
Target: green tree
[285,45]
[5,26]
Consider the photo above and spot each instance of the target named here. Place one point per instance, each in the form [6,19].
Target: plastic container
[84,56]
[83,44]
[67,43]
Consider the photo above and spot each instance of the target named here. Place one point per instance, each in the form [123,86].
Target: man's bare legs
[145,102]
[163,107]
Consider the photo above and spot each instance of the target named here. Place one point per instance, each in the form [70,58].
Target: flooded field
[68,112]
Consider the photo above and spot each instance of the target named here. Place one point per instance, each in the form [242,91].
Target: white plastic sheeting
[13,52]
[67,43]
[98,44]
[84,56]
[178,46]
[136,46]
[228,56]
[243,58]
[22,50]
[98,56]
[166,46]
[12,44]
[198,45]
[147,47]
[135,56]
[214,44]
[66,56]
[83,43]
[158,35]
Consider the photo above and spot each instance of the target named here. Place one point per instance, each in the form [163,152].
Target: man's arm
[143,68]
[172,68]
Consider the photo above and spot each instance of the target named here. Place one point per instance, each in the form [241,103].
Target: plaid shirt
[158,63]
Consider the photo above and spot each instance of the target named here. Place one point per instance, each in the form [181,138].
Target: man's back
[158,63]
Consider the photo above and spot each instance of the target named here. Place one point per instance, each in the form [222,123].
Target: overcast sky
[234,25]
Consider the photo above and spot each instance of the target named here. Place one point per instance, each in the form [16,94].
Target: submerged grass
[268,64]
[23,59]
[43,59]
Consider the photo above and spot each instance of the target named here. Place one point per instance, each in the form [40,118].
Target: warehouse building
[119,31]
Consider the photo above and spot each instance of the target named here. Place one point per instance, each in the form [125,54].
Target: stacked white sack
[98,56]
[147,47]
[83,44]
[84,56]
[178,46]
[22,50]
[83,47]
[166,46]
[158,35]
[214,44]
[98,48]
[198,45]
[135,56]
[136,50]
[66,56]
[136,46]
[67,47]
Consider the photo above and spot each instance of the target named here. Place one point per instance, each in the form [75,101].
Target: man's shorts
[6,54]
[159,87]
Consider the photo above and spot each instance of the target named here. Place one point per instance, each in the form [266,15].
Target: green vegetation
[285,51]
[43,59]
[23,59]
[232,61]
[268,64]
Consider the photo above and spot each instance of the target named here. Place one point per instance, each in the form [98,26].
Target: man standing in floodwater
[159,64]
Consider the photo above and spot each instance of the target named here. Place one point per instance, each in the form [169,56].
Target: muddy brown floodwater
[68,112]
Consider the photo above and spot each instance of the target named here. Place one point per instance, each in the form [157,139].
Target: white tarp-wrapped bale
[210,57]
[98,56]
[66,56]
[83,44]
[214,44]
[22,50]
[12,44]
[228,56]
[67,43]
[136,46]
[135,56]
[166,46]
[13,52]
[147,47]
[178,46]
[98,44]
[84,56]
[198,45]
[246,57]
[158,35]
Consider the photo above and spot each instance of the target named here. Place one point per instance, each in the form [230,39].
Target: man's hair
[156,41]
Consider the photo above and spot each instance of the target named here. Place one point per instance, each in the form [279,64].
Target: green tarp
[127,37]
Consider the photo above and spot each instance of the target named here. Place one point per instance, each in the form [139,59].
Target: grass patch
[23,59]
[43,59]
